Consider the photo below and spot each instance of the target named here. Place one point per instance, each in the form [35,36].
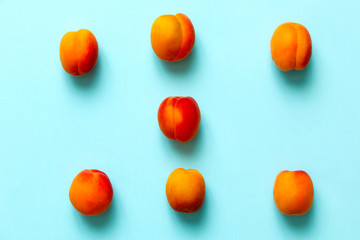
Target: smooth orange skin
[172,37]
[91,192]
[185,190]
[293,192]
[179,118]
[78,52]
[291,46]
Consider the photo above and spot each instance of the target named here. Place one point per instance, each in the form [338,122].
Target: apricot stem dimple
[174,109]
[77,53]
[182,38]
[296,44]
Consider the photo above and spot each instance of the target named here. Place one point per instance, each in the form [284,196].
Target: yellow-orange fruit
[291,46]
[91,192]
[293,192]
[172,37]
[185,190]
[78,52]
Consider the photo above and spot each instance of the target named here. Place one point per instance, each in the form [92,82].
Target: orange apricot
[172,37]
[78,52]
[185,190]
[179,118]
[91,192]
[291,46]
[293,192]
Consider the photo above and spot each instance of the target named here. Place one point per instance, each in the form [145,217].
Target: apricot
[293,192]
[291,46]
[172,37]
[179,118]
[78,52]
[185,190]
[91,192]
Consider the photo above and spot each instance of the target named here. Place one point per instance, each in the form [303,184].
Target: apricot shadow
[188,148]
[102,221]
[300,222]
[89,80]
[182,66]
[298,79]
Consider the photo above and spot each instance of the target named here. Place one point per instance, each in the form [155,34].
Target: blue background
[256,120]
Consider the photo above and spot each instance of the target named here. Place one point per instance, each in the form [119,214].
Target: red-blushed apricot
[185,190]
[179,118]
[78,52]
[91,192]
[172,37]
[291,46]
[293,192]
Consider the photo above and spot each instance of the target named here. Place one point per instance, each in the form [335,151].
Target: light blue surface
[256,120]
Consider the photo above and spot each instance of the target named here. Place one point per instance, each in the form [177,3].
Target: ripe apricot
[91,192]
[78,52]
[291,46]
[185,190]
[179,118]
[172,37]
[293,192]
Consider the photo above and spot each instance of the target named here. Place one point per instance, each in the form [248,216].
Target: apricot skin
[179,118]
[78,52]
[293,192]
[291,46]
[172,37]
[185,190]
[91,192]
